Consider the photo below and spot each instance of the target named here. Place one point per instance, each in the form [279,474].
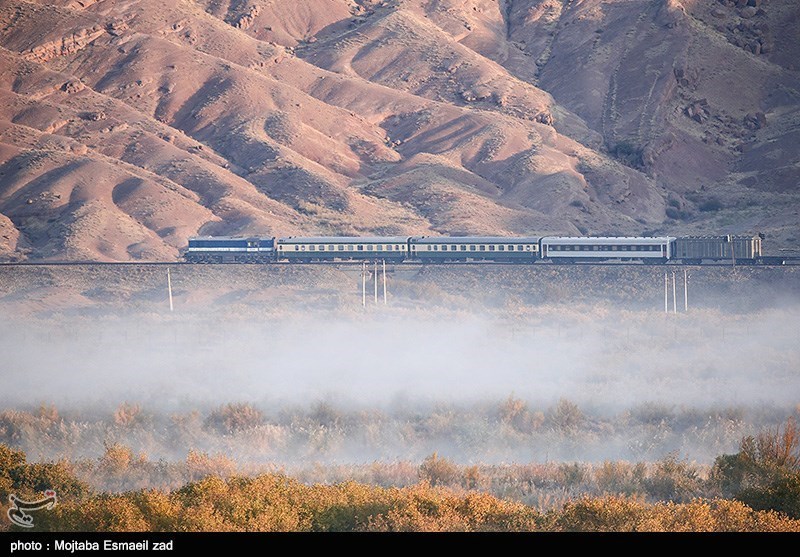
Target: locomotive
[506,249]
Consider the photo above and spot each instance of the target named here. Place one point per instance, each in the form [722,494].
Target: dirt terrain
[127,126]
[513,292]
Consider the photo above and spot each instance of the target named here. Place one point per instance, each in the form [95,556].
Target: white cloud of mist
[606,362]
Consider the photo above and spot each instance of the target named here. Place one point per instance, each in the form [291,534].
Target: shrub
[620,478]
[59,476]
[712,204]
[438,471]
[673,480]
[10,461]
[566,416]
[232,418]
[781,494]
[200,465]
[127,415]
[515,412]
[765,473]
[602,514]
[628,153]
[573,475]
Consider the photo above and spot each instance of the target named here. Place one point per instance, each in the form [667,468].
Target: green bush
[781,495]
[765,473]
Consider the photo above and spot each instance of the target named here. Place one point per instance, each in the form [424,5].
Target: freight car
[739,249]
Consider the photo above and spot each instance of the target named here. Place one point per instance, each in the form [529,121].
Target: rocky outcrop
[245,21]
[69,44]
[698,111]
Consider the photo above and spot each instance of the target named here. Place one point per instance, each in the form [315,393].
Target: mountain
[127,126]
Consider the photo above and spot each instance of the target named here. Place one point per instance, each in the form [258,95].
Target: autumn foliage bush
[123,489]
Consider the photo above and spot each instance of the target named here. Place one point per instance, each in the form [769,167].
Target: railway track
[788,262]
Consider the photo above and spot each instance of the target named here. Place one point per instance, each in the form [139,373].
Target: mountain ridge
[128,126]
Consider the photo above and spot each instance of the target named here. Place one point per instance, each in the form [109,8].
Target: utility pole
[686,290]
[666,294]
[384,282]
[674,300]
[169,289]
[375,281]
[364,283]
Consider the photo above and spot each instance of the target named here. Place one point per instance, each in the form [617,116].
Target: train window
[302,248]
[472,248]
[463,247]
[360,247]
[350,248]
[623,248]
[501,247]
[491,248]
[330,247]
[312,248]
[614,248]
[321,248]
[527,248]
[341,247]
[435,248]
[388,247]
[369,247]
[519,248]
[482,248]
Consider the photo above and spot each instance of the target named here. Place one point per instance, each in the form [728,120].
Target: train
[695,250]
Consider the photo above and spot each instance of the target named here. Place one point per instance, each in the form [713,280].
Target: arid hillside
[127,126]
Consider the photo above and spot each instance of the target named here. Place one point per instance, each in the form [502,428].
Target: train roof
[344,240]
[475,240]
[230,238]
[608,239]
[723,236]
